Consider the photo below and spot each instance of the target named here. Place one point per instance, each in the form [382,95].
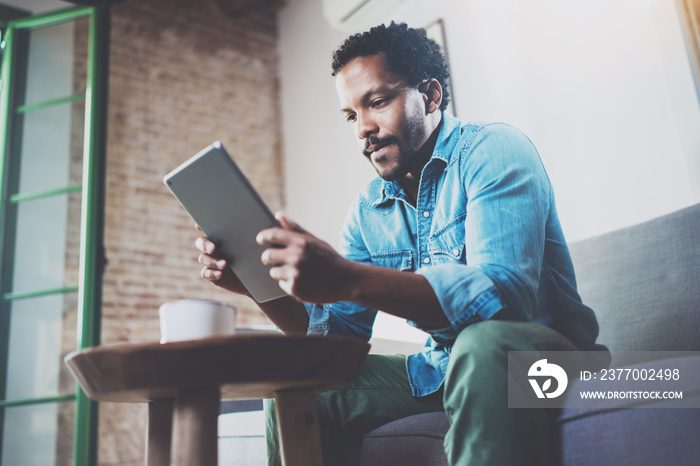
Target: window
[52,147]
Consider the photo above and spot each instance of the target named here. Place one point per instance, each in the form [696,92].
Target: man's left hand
[307,268]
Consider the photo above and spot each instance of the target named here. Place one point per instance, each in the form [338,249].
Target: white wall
[324,168]
[602,87]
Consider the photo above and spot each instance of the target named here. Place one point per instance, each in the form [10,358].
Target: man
[459,235]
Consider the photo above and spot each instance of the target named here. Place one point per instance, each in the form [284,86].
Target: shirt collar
[444,146]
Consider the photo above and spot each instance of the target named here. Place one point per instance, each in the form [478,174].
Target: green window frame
[92,257]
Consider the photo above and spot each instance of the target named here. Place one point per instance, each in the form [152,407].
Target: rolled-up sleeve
[345,318]
[508,200]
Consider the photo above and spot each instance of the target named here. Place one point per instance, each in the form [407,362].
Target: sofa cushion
[643,282]
[416,439]
[632,432]
[643,437]
[639,432]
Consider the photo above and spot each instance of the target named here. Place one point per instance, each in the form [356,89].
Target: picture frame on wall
[690,16]
[436,31]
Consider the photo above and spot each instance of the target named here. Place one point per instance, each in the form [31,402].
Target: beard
[408,147]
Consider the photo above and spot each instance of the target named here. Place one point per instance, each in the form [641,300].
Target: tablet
[224,204]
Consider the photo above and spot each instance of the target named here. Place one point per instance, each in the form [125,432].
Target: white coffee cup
[191,319]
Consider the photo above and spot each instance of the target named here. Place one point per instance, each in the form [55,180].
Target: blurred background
[607,90]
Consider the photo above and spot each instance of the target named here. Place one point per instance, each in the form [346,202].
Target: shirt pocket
[398,260]
[446,245]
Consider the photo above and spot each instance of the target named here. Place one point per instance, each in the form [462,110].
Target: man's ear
[432,94]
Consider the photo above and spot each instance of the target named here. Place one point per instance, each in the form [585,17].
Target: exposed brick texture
[182,74]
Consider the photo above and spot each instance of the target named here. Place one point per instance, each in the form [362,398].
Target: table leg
[300,437]
[195,427]
[160,427]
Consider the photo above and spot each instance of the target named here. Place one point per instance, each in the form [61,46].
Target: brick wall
[182,74]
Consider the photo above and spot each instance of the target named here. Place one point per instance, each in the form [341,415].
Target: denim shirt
[484,233]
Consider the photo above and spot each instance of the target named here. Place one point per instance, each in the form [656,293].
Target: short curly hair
[408,53]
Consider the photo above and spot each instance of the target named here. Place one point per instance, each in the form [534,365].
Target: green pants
[483,430]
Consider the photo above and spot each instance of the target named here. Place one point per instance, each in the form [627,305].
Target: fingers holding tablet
[213,267]
[216,269]
[221,201]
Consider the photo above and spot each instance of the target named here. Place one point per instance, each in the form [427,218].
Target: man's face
[388,116]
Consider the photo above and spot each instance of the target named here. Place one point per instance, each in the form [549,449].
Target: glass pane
[47,245]
[42,332]
[39,435]
[51,147]
[57,62]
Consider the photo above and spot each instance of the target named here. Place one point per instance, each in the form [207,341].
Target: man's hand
[306,267]
[310,270]
[216,269]
[286,313]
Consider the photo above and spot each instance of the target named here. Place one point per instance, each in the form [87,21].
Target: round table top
[244,366]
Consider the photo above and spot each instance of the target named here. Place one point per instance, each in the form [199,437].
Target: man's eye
[378,103]
[350,117]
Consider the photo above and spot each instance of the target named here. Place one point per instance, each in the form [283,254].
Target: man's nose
[366,126]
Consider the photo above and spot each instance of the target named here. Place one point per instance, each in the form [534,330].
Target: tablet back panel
[219,198]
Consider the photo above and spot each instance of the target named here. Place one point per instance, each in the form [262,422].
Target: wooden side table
[184,382]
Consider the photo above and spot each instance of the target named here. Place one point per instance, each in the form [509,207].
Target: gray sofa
[644,284]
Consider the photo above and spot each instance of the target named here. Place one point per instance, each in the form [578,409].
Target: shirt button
[426,260]
[426,214]
[455,252]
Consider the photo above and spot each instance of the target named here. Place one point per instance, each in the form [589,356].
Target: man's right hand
[216,269]
[286,313]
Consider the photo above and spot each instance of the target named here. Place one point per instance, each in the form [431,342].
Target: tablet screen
[224,204]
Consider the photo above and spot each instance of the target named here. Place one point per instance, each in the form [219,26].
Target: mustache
[375,141]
